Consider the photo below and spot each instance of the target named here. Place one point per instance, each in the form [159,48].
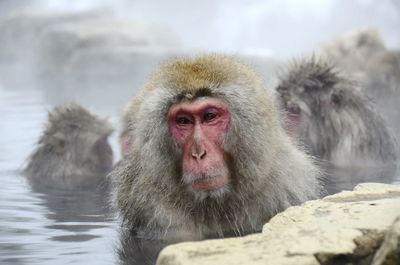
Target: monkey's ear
[57,142]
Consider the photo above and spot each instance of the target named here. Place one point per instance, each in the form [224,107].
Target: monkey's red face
[199,128]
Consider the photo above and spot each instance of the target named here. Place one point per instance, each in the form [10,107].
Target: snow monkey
[73,151]
[332,117]
[209,157]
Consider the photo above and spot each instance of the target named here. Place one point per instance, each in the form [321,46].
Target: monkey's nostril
[203,154]
[199,155]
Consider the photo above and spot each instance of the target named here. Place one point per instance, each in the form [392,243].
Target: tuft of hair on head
[310,74]
[72,117]
[191,75]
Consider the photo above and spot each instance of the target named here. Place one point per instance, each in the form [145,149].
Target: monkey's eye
[294,109]
[182,120]
[335,99]
[209,116]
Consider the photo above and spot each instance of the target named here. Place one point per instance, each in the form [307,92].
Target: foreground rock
[345,228]
[389,252]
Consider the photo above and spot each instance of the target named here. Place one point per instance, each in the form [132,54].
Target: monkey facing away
[73,151]
[383,76]
[352,51]
[332,117]
[209,157]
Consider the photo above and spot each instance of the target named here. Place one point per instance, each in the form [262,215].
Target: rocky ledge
[352,227]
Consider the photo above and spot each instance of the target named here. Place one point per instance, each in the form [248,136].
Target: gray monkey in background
[73,152]
[332,117]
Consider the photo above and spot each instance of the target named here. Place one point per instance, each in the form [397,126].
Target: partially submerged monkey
[332,117]
[73,151]
[209,157]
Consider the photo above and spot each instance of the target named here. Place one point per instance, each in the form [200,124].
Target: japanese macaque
[73,151]
[330,115]
[209,157]
[352,51]
[383,76]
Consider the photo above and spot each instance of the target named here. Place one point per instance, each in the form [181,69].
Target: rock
[41,45]
[389,252]
[20,31]
[134,64]
[345,228]
[115,65]
[20,35]
[98,72]
[60,43]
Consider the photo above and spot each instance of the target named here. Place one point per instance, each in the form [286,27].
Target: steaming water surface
[64,227]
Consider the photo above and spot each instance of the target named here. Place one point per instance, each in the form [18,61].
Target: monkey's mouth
[210,183]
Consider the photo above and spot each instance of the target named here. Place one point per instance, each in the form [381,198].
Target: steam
[287,28]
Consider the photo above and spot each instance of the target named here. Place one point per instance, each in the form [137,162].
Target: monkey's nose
[198,153]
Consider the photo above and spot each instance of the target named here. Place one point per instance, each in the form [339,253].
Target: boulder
[345,228]
[20,31]
[59,43]
[110,75]
[389,252]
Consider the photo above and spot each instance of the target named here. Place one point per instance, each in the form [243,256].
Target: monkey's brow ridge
[201,92]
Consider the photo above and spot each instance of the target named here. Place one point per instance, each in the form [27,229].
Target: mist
[283,28]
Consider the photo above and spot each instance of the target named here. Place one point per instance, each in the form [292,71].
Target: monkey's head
[305,93]
[196,123]
[310,91]
[73,149]
[80,137]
